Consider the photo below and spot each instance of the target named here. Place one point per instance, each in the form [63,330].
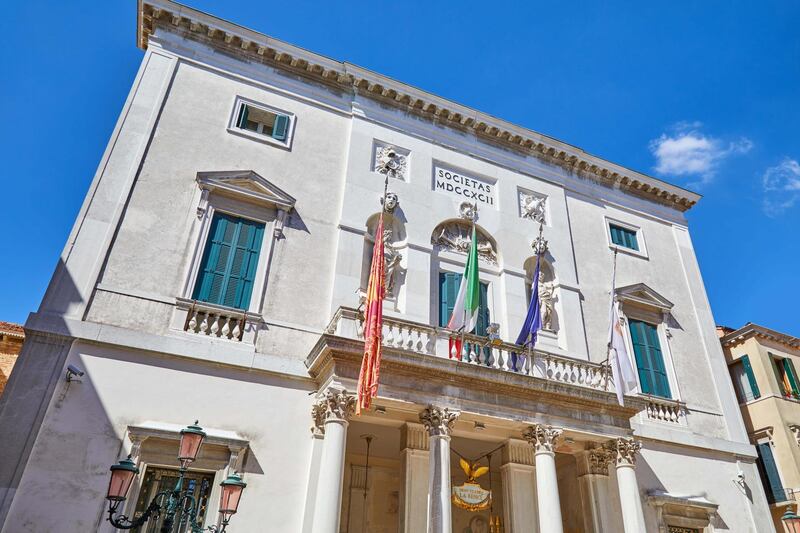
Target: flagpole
[471,231]
[608,347]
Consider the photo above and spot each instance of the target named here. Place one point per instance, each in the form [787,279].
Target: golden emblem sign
[471,496]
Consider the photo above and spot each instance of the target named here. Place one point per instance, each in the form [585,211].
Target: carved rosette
[543,438]
[391,161]
[624,450]
[438,420]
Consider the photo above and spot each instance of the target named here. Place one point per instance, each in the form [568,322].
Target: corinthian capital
[438,420]
[543,438]
[625,450]
[335,405]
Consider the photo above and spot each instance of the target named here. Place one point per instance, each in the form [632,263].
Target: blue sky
[702,94]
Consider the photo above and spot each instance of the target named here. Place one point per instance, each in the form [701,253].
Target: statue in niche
[456,237]
[546,301]
[392,258]
[532,207]
[391,203]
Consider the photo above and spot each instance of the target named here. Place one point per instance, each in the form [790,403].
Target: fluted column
[543,438]
[625,450]
[334,410]
[593,483]
[439,422]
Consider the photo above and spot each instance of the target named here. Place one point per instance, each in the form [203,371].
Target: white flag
[624,378]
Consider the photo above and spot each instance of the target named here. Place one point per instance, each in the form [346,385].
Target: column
[414,478]
[337,407]
[519,487]
[543,438]
[593,484]
[625,450]
[439,422]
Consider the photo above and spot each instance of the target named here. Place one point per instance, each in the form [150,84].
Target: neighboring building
[11,338]
[214,273]
[763,365]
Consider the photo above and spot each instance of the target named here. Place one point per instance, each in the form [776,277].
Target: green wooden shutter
[769,474]
[448,290]
[788,367]
[631,241]
[280,128]
[751,378]
[649,359]
[616,238]
[483,310]
[778,376]
[242,122]
[230,260]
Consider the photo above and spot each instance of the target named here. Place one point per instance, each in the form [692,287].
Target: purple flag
[533,320]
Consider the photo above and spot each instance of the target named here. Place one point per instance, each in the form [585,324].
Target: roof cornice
[750,330]
[257,47]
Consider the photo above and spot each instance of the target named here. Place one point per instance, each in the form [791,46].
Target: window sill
[629,251]
[216,322]
[286,145]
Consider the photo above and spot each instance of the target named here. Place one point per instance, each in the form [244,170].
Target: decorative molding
[595,461]
[414,437]
[391,161]
[532,205]
[518,452]
[749,330]
[624,450]
[438,420]
[318,413]
[245,183]
[468,211]
[455,236]
[335,406]
[254,47]
[642,295]
[543,438]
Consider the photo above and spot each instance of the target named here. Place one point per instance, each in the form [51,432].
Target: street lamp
[791,521]
[177,501]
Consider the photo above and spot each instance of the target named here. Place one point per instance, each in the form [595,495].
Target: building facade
[762,364]
[216,272]
[11,338]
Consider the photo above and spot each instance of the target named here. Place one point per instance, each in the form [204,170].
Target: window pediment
[246,184]
[643,296]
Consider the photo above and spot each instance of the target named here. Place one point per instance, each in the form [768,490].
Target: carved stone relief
[456,237]
[543,438]
[391,160]
[533,206]
[438,420]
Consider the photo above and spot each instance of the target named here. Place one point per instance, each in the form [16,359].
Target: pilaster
[519,487]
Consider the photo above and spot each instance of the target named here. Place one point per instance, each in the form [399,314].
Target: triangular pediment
[248,184]
[643,295]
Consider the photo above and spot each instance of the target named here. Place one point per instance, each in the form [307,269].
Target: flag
[533,320]
[373,325]
[621,369]
[465,312]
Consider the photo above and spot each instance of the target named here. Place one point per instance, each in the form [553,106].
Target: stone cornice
[258,48]
[754,330]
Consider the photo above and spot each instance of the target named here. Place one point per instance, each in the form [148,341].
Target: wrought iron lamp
[177,503]
[791,521]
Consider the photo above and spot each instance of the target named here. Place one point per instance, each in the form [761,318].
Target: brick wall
[10,346]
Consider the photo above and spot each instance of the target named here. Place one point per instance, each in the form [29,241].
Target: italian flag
[465,312]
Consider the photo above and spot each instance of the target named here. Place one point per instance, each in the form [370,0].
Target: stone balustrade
[215,321]
[665,410]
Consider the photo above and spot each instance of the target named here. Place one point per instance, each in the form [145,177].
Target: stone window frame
[235,130]
[490,276]
[682,512]
[237,448]
[640,240]
[242,194]
[653,310]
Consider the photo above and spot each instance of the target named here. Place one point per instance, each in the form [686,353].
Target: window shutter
[778,375]
[788,366]
[448,290]
[632,242]
[640,352]
[242,122]
[751,378]
[649,359]
[230,261]
[280,128]
[769,473]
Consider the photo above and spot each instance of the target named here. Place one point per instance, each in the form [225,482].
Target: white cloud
[686,151]
[781,185]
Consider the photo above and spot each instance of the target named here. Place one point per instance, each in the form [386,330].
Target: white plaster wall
[84,433]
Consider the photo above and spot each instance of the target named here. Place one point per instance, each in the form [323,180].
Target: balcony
[426,352]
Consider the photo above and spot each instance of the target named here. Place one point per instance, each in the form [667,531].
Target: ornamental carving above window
[455,236]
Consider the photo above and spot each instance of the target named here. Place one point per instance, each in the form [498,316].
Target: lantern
[122,475]
[191,439]
[232,489]
[791,521]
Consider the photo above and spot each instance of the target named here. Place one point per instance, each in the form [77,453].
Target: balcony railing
[501,356]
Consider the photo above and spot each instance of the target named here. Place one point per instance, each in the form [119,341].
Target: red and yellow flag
[373,326]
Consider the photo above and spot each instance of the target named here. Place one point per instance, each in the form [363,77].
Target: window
[744,381]
[786,376]
[625,237]
[649,359]
[768,471]
[163,479]
[228,268]
[449,283]
[261,122]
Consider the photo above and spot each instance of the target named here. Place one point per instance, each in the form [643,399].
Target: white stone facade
[120,307]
